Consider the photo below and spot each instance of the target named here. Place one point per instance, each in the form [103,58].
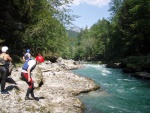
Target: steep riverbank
[55,85]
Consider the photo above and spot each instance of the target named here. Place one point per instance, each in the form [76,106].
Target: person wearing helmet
[4,68]
[27,68]
[27,55]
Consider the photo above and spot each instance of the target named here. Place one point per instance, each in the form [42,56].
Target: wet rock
[142,75]
[112,65]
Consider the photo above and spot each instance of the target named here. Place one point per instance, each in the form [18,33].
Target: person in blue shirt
[27,55]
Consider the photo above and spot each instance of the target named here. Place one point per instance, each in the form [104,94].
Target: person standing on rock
[27,55]
[27,68]
[5,59]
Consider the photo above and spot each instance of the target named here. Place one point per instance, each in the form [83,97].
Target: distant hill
[73,31]
[72,34]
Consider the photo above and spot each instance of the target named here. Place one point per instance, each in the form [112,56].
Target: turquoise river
[119,92]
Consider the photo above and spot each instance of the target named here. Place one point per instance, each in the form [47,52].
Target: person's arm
[29,75]
[7,57]
[23,58]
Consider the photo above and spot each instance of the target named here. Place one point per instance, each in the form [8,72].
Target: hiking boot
[5,93]
[28,98]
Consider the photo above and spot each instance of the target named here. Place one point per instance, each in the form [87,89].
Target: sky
[90,11]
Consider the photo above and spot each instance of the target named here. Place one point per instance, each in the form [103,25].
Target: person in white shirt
[27,68]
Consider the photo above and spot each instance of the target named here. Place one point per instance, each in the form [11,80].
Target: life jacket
[25,66]
[3,62]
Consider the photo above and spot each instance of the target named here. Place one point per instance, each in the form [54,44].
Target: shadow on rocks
[10,80]
[11,87]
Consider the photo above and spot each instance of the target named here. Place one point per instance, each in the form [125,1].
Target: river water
[119,92]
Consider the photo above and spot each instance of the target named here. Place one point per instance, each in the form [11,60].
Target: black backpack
[2,61]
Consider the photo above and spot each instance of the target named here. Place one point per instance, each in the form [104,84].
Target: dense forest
[41,25]
[125,34]
[35,24]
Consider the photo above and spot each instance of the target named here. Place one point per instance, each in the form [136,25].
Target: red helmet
[39,58]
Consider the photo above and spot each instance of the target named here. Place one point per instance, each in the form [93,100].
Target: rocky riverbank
[55,86]
[137,66]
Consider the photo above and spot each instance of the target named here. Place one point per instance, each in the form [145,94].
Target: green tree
[100,32]
[38,25]
[135,22]
[130,26]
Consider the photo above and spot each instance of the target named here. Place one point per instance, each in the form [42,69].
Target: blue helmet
[28,50]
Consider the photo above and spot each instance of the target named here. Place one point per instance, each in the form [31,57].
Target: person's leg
[25,78]
[27,94]
[4,74]
[32,91]
[32,94]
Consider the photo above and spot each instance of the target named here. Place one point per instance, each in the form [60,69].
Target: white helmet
[4,49]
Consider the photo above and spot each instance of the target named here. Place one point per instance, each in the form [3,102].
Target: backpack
[2,61]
